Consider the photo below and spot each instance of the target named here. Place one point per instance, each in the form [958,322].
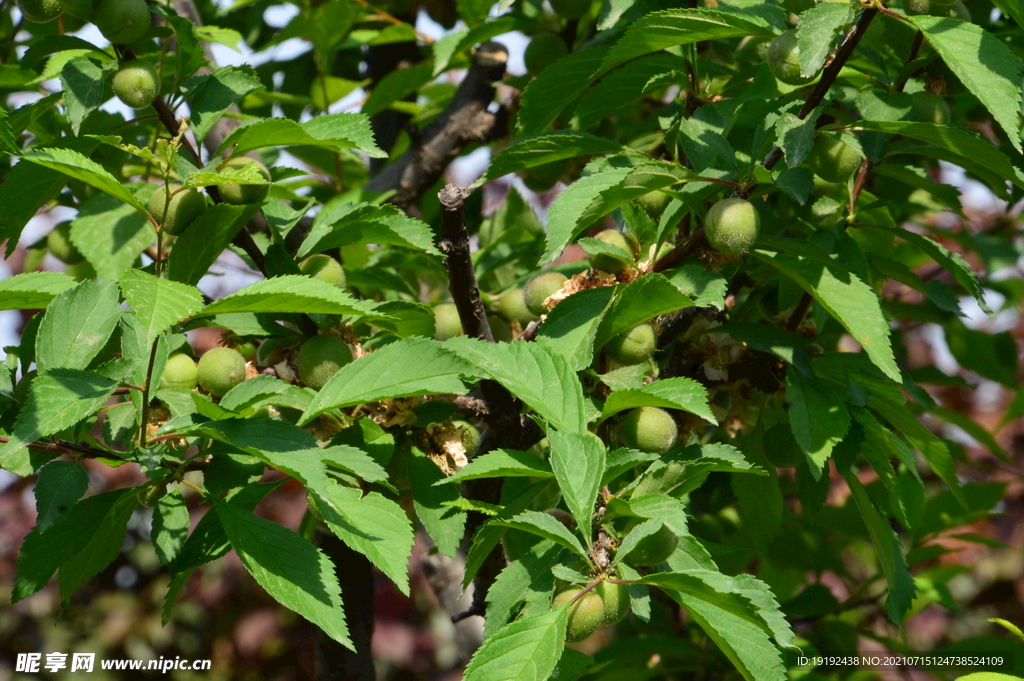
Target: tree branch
[461,278]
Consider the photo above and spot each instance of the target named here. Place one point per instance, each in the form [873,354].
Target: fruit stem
[587,589]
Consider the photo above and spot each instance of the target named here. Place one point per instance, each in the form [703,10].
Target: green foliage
[725,407]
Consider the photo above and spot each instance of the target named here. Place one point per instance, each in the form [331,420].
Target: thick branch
[461,278]
[466,119]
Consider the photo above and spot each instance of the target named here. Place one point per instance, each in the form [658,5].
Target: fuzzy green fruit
[616,601]
[833,160]
[570,9]
[512,307]
[649,429]
[654,203]
[543,51]
[122,22]
[40,11]
[247,348]
[499,329]
[585,615]
[654,548]
[542,178]
[220,370]
[614,237]
[633,346]
[446,321]
[178,213]
[180,372]
[136,83]
[470,436]
[243,194]
[781,448]
[59,243]
[323,267]
[320,358]
[784,59]
[930,108]
[732,225]
[539,288]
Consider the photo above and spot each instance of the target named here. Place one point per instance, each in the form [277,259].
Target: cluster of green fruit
[603,605]
[175,208]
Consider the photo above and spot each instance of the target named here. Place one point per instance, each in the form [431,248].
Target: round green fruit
[180,211]
[40,11]
[321,357]
[585,615]
[784,59]
[220,370]
[654,203]
[732,225]
[654,548]
[136,83]
[446,321]
[570,9]
[633,346]
[499,329]
[563,517]
[323,267]
[913,7]
[243,194]
[80,270]
[180,372]
[470,436]
[781,448]
[538,289]
[930,108]
[542,178]
[122,22]
[247,348]
[614,237]
[543,51]
[512,306]
[616,601]
[833,160]
[59,243]
[649,429]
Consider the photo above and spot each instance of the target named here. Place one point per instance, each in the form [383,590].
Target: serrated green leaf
[111,235]
[76,165]
[546,526]
[816,32]
[214,93]
[158,303]
[502,463]
[952,262]
[252,392]
[544,148]
[59,486]
[818,417]
[290,294]
[983,63]
[349,223]
[412,366]
[488,536]
[525,650]
[333,131]
[571,326]
[528,580]
[680,393]
[170,526]
[204,240]
[85,87]
[845,297]
[638,301]
[101,548]
[555,88]
[32,289]
[398,84]
[577,460]
[433,504]
[620,88]
[296,573]
[542,379]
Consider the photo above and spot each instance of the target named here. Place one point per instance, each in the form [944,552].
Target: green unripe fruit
[633,346]
[542,178]
[136,83]
[499,329]
[563,517]
[512,307]
[585,615]
[570,9]
[220,370]
[122,22]
[649,429]
[654,203]
[323,267]
[781,448]
[180,372]
[616,601]
[470,436]
[59,243]
[178,213]
[446,321]
[654,548]
[152,495]
[912,7]
[784,59]
[930,108]
[243,194]
[40,11]
[833,160]
[607,263]
[320,358]
[732,225]
[81,270]
[543,51]
[539,288]
[247,348]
